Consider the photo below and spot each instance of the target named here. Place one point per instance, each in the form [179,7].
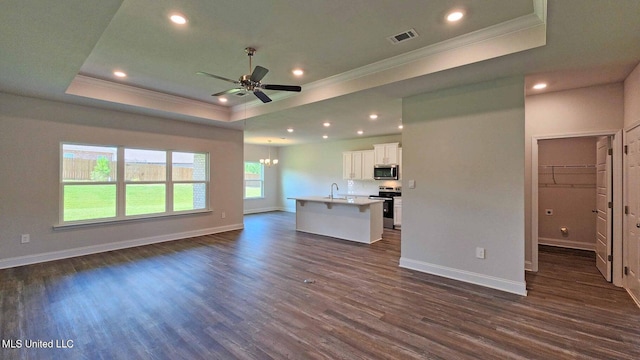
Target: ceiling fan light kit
[252,82]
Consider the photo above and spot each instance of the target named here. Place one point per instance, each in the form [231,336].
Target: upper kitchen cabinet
[368,161]
[399,163]
[357,165]
[386,154]
[352,165]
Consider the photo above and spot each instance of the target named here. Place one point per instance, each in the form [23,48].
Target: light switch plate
[412,184]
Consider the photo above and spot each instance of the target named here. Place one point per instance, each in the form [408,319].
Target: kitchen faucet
[331,196]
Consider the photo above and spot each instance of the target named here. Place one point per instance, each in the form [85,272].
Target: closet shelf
[586,166]
[571,176]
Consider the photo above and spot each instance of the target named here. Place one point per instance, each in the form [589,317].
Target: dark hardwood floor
[242,295]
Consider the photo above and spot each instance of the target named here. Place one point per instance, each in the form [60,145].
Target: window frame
[244,188]
[121,183]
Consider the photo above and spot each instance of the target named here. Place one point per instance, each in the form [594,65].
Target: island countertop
[359,201]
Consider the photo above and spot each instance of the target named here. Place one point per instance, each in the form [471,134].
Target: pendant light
[269,161]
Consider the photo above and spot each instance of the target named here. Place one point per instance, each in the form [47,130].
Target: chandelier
[269,161]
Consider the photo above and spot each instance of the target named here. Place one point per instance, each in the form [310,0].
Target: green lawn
[252,192]
[84,202]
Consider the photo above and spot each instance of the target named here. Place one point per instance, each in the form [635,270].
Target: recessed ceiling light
[290,130]
[325,136]
[360,132]
[223,99]
[373,116]
[326,124]
[298,72]
[400,127]
[540,86]
[455,16]
[120,74]
[178,19]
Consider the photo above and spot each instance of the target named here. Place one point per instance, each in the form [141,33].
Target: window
[145,175]
[253,180]
[189,174]
[97,186]
[89,182]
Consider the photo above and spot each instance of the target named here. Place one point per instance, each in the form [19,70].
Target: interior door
[603,199]
[631,279]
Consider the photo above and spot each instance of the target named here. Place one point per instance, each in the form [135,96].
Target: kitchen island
[354,219]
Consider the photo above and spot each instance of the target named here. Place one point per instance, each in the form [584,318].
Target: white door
[631,278]
[603,198]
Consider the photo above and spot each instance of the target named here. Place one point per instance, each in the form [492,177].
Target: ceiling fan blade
[281,87]
[258,73]
[230,91]
[262,96]
[218,77]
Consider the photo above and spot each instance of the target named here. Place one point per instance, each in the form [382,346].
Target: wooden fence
[81,169]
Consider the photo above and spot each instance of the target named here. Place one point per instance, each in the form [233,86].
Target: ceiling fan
[251,83]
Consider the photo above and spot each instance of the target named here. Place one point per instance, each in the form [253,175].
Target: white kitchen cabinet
[399,163]
[358,165]
[368,161]
[397,211]
[352,165]
[347,165]
[386,154]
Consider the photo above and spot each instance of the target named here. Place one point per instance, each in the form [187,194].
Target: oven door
[387,205]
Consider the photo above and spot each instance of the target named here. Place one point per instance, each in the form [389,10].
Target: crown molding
[99,89]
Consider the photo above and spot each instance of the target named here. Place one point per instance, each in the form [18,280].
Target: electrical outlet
[480,253]
[223,214]
[548,212]
[24,238]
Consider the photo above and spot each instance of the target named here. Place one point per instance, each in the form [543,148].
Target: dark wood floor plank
[242,295]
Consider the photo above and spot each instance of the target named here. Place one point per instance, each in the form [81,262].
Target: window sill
[98,222]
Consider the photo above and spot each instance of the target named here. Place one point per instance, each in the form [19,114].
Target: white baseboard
[514,287]
[567,244]
[94,249]
[262,210]
[528,265]
[635,299]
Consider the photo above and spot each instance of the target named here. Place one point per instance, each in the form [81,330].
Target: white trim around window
[102,184]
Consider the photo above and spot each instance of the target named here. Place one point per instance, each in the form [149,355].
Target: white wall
[632,98]
[31,131]
[578,111]
[310,169]
[271,200]
[464,147]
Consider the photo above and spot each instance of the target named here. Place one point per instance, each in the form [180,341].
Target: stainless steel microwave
[385,172]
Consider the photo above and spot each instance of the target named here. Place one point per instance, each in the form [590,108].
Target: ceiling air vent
[403,36]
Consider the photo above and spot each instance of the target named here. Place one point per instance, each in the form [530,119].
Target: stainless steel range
[387,193]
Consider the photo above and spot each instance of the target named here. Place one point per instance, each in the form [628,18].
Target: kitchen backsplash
[366,187]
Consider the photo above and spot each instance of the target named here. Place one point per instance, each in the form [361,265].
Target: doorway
[560,175]
[574,194]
